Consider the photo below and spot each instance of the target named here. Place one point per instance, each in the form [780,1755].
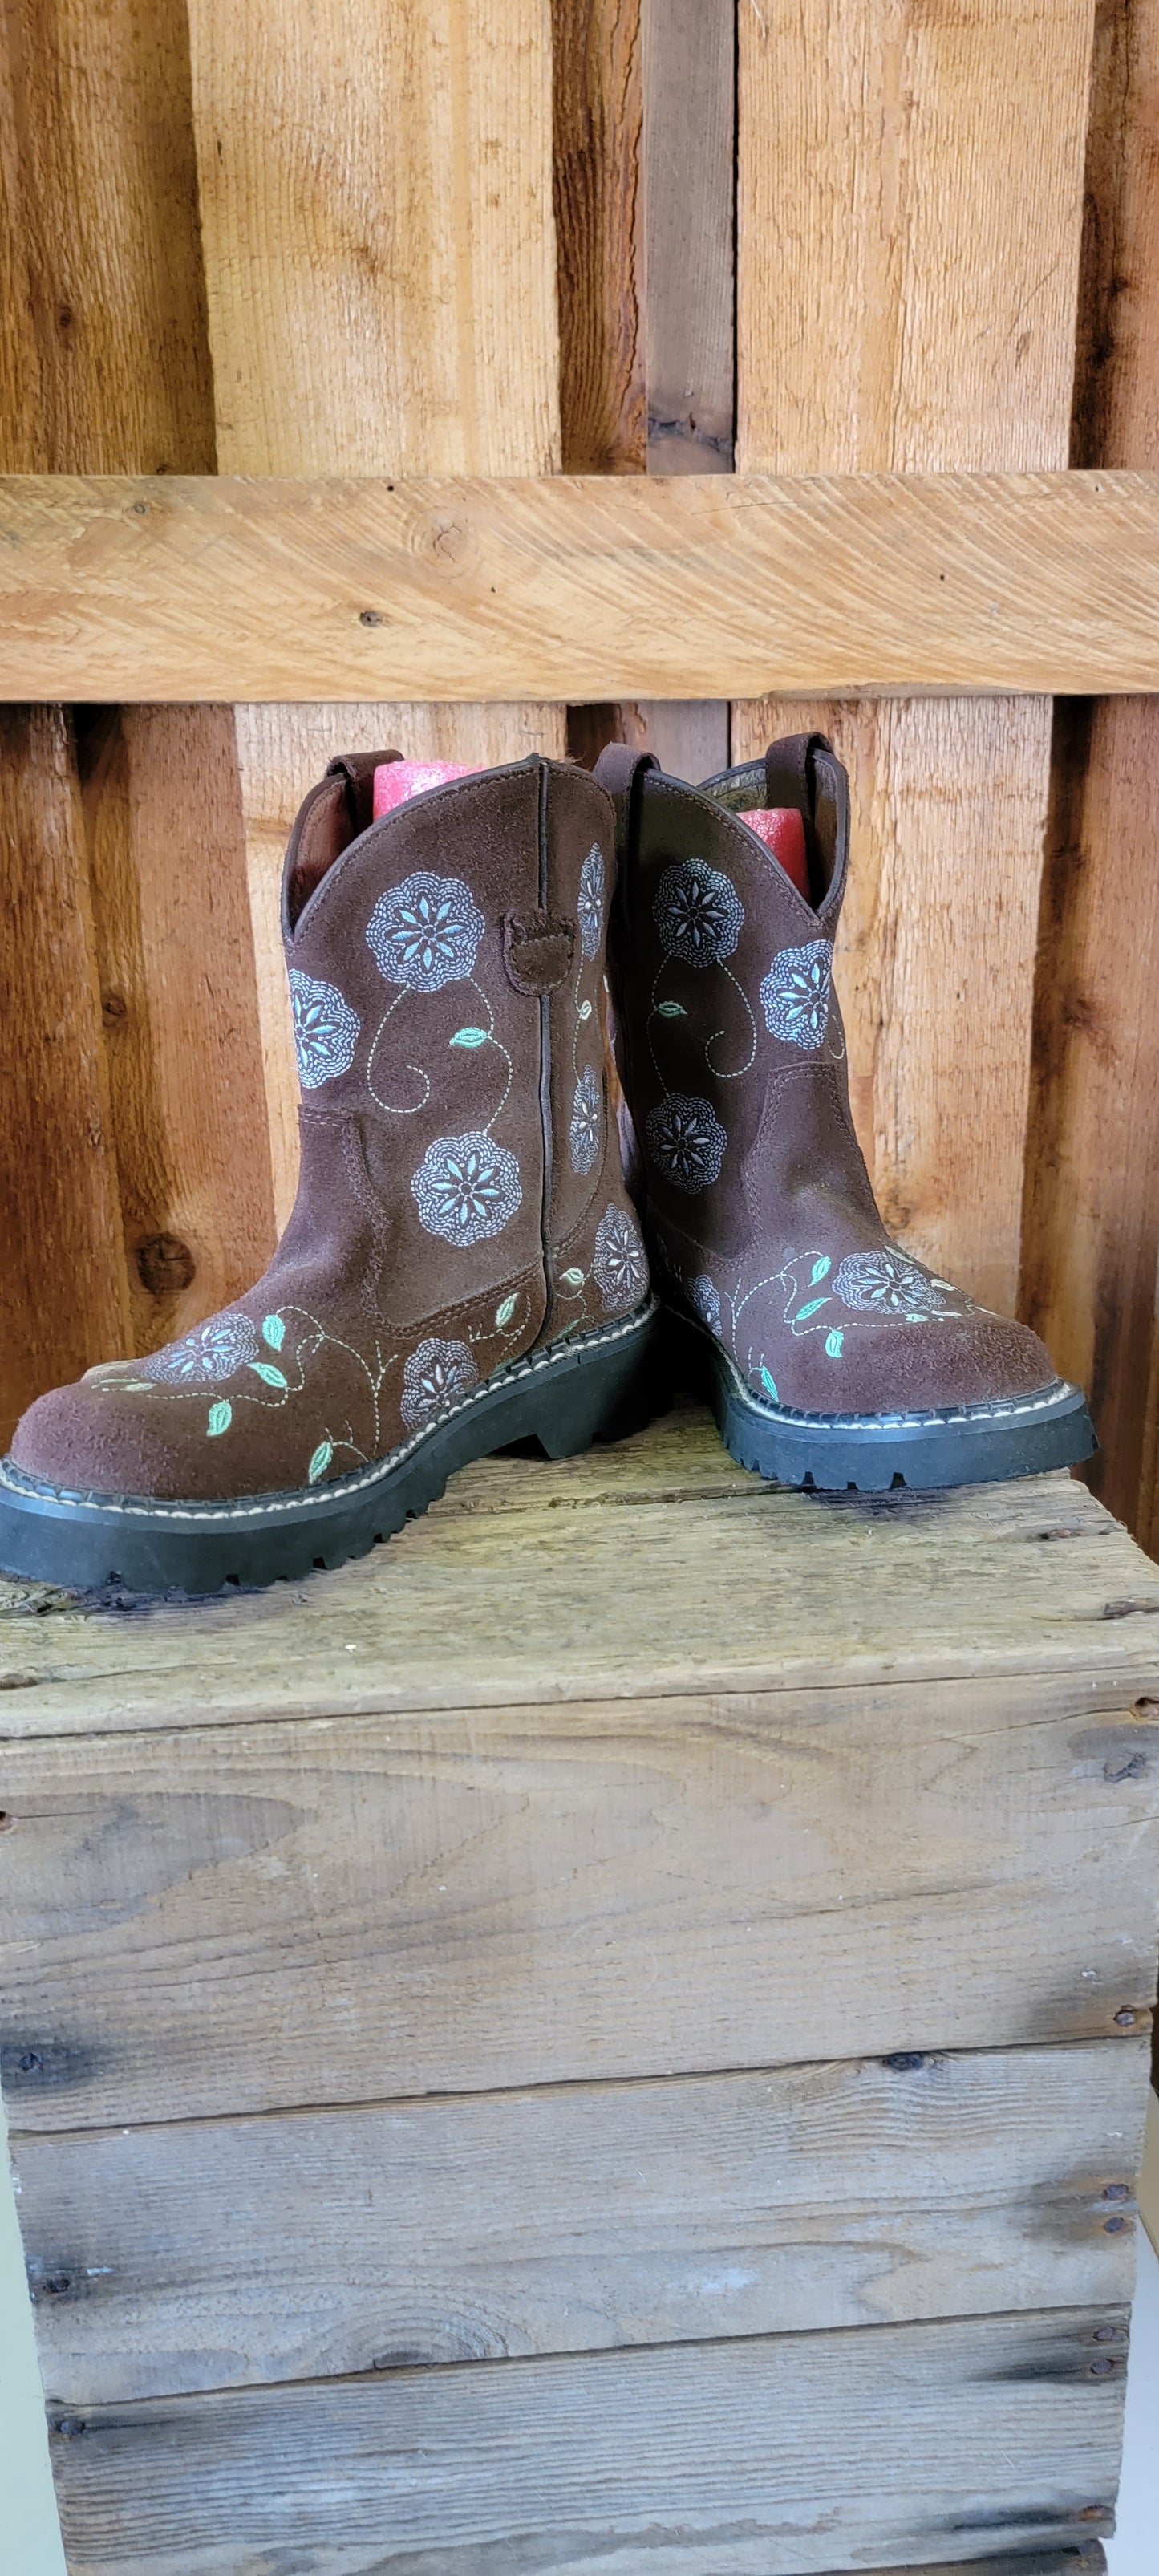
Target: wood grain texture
[488,1601]
[600,586]
[1091,1218]
[159,785]
[892,316]
[598,113]
[65,1296]
[571,2220]
[760,2458]
[104,366]
[228,1919]
[380,267]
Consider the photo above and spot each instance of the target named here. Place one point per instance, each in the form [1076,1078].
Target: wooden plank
[760,2458]
[824,1591]
[64,1296]
[380,267]
[1091,1220]
[566,2221]
[597,587]
[598,114]
[175,955]
[228,1919]
[891,317]
[104,367]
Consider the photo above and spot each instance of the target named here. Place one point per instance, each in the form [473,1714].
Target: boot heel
[606,1397]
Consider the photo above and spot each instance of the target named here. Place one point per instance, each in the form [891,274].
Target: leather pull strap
[789,774]
[621,772]
[358,768]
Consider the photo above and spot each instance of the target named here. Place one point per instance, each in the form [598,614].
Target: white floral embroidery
[590,903]
[466,1188]
[216,1350]
[619,1262]
[585,1134]
[426,932]
[325,1029]
[795,994]
[434,1375]
[698,913]
[703,1298]
[686,1140]
[888,1283]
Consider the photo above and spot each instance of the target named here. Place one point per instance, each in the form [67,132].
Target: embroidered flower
[795,994]
[698,913]
[434,1375]
[426,932]
[590,902]
[888,1283]
[686,1141]
[325,1029]
[704,1301]
[466,1188]
[216,1350]
[585,1134]
[619,1262]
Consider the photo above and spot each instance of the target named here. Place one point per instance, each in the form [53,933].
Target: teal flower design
[426,932]
[325,1029]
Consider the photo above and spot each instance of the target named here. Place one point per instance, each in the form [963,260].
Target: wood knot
[165,1265]
[538,948]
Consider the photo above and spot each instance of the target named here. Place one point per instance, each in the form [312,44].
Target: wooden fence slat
[767,2457]
[380,268]
[861,585]
[576,2218]
[104,367]
[598,113]
[892,314]
[64,1293]
[1091,1219]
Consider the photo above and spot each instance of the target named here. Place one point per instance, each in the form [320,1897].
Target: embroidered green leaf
[320,1460]
[671,1011]
[220,1417]
[274,1332]
[571,1278]
[834,1343]
[821,1268]
[133,1385]
[769,1384]
[810,1309]
[469,1037]
[504,1313]
[265,1369]
[585,1011]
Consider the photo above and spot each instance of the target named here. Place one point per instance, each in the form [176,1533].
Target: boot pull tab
[538,948]
[621,772]
[357,769]
[789,771]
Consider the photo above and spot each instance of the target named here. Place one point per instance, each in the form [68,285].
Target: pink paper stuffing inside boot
[396,780]
[782,829]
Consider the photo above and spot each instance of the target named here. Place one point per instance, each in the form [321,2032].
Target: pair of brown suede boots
[465,1266]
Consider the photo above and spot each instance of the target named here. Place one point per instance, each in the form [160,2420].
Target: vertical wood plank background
[610,236]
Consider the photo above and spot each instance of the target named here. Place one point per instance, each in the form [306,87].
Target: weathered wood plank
[489,1599]
[760,2458]
[232,1919]
[597,587]
[1091,1217]
[380,267]
[566,2221]
[891,317]
[104,367]
[64,1292]
[598,113]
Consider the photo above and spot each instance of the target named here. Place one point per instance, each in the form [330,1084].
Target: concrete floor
[32,2540]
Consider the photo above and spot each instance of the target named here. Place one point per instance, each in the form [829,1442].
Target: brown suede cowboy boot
[831,1358]
[462,1268]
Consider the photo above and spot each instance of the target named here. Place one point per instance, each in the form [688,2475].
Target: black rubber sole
[873,1452]
[599,1388]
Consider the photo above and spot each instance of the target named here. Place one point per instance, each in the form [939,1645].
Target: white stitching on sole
[214,1516]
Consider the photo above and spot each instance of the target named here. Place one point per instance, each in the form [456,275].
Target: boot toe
[959,1363]
[86,1439]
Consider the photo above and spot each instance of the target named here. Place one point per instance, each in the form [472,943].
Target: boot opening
[804,835]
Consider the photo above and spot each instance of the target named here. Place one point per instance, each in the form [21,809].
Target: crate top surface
[652,1567]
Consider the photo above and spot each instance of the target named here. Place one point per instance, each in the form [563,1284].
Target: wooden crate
[613,2032]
